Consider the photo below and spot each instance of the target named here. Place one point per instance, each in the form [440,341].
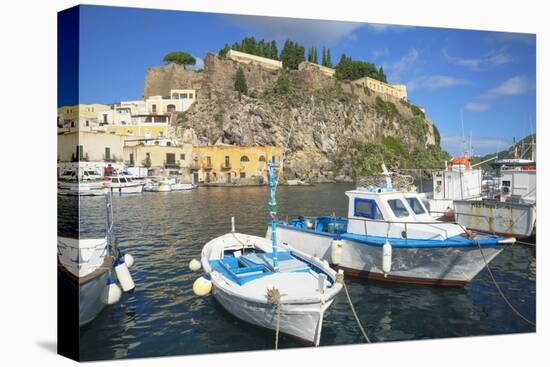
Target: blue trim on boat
[455,241]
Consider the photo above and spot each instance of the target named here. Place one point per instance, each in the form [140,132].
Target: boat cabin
[384,212]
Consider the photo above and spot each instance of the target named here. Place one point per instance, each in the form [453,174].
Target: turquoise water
[164,231]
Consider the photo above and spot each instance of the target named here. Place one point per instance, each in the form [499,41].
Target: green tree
[324,57]
[180,58]
[274,54]
[223,52]
[240,82]
[328,61]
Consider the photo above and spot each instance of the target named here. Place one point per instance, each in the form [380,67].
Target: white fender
[386,257]
[194,265]
[336,251]
[202,286]
[129,260]
[123,275]
[111,293]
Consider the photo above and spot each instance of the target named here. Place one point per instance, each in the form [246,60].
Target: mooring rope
[500,290]
[274,298]
[495,281]
[340,279]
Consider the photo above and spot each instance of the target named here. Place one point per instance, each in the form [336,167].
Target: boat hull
[495,217]
[124,190]
[302,322]
[445,266]
[90,293]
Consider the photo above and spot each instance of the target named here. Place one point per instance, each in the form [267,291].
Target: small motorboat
[161,184]
[123,185]
[177,185]
[268,285]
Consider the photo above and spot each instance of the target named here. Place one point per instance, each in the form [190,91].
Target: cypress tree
[240,82]
[328,61]
[324,59]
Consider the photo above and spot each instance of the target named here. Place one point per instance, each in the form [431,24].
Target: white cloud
[379,28]
[397,68]
[435,82]
[307,31]
[492,58]
[477,107]
[516,85]
[454,144]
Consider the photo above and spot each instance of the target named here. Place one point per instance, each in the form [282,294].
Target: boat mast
[273,212]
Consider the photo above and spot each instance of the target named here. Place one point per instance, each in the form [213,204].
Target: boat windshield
[416,206]
[123,180]
[398,208]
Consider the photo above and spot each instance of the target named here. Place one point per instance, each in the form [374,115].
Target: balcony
[225,165]
[146,162]
[207,165]
[195,166]
[171,164]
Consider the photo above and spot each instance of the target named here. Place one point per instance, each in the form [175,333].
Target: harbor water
[162,317]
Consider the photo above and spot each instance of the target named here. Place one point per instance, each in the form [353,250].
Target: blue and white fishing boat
[269,285]
[390,235]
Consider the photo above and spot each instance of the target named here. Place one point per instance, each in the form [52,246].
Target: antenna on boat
[273,212]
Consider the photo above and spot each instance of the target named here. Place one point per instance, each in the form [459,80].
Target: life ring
[438,188]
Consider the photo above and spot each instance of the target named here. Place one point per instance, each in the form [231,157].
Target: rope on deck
[340,279]
[274,298]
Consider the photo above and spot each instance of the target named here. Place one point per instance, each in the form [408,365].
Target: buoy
[386,258]
[202,286]
[194,265]
[111,293]
[336,251]
[129,260]
[123,275]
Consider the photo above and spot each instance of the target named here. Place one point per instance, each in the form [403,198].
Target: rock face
[315,121]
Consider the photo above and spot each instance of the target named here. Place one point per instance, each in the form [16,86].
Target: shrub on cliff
[348,69]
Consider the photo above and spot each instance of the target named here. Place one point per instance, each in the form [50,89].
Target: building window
[154,108]
[107,154]
[262,158]
[182,157]
[227,161]
[87,123]
[243,174]
[170,158]
[190,95]
[171,108]
[244,159]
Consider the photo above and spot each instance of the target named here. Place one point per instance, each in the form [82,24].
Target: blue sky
[489,76]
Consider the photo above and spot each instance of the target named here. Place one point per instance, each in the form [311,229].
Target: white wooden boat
[242,271]
[123,185]
[89,269]
[271,286]
[161,184]
[182,186]
[82,188]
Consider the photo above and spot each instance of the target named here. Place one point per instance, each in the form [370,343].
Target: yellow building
[89,146]
[229,164]
[163,158]
[245,58]
[394,90]
[79,116]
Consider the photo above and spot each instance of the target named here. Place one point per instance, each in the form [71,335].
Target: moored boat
[89,270]
[123,185]
[268,285]
[390,235]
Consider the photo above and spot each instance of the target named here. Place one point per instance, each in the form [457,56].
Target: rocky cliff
[314,117]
